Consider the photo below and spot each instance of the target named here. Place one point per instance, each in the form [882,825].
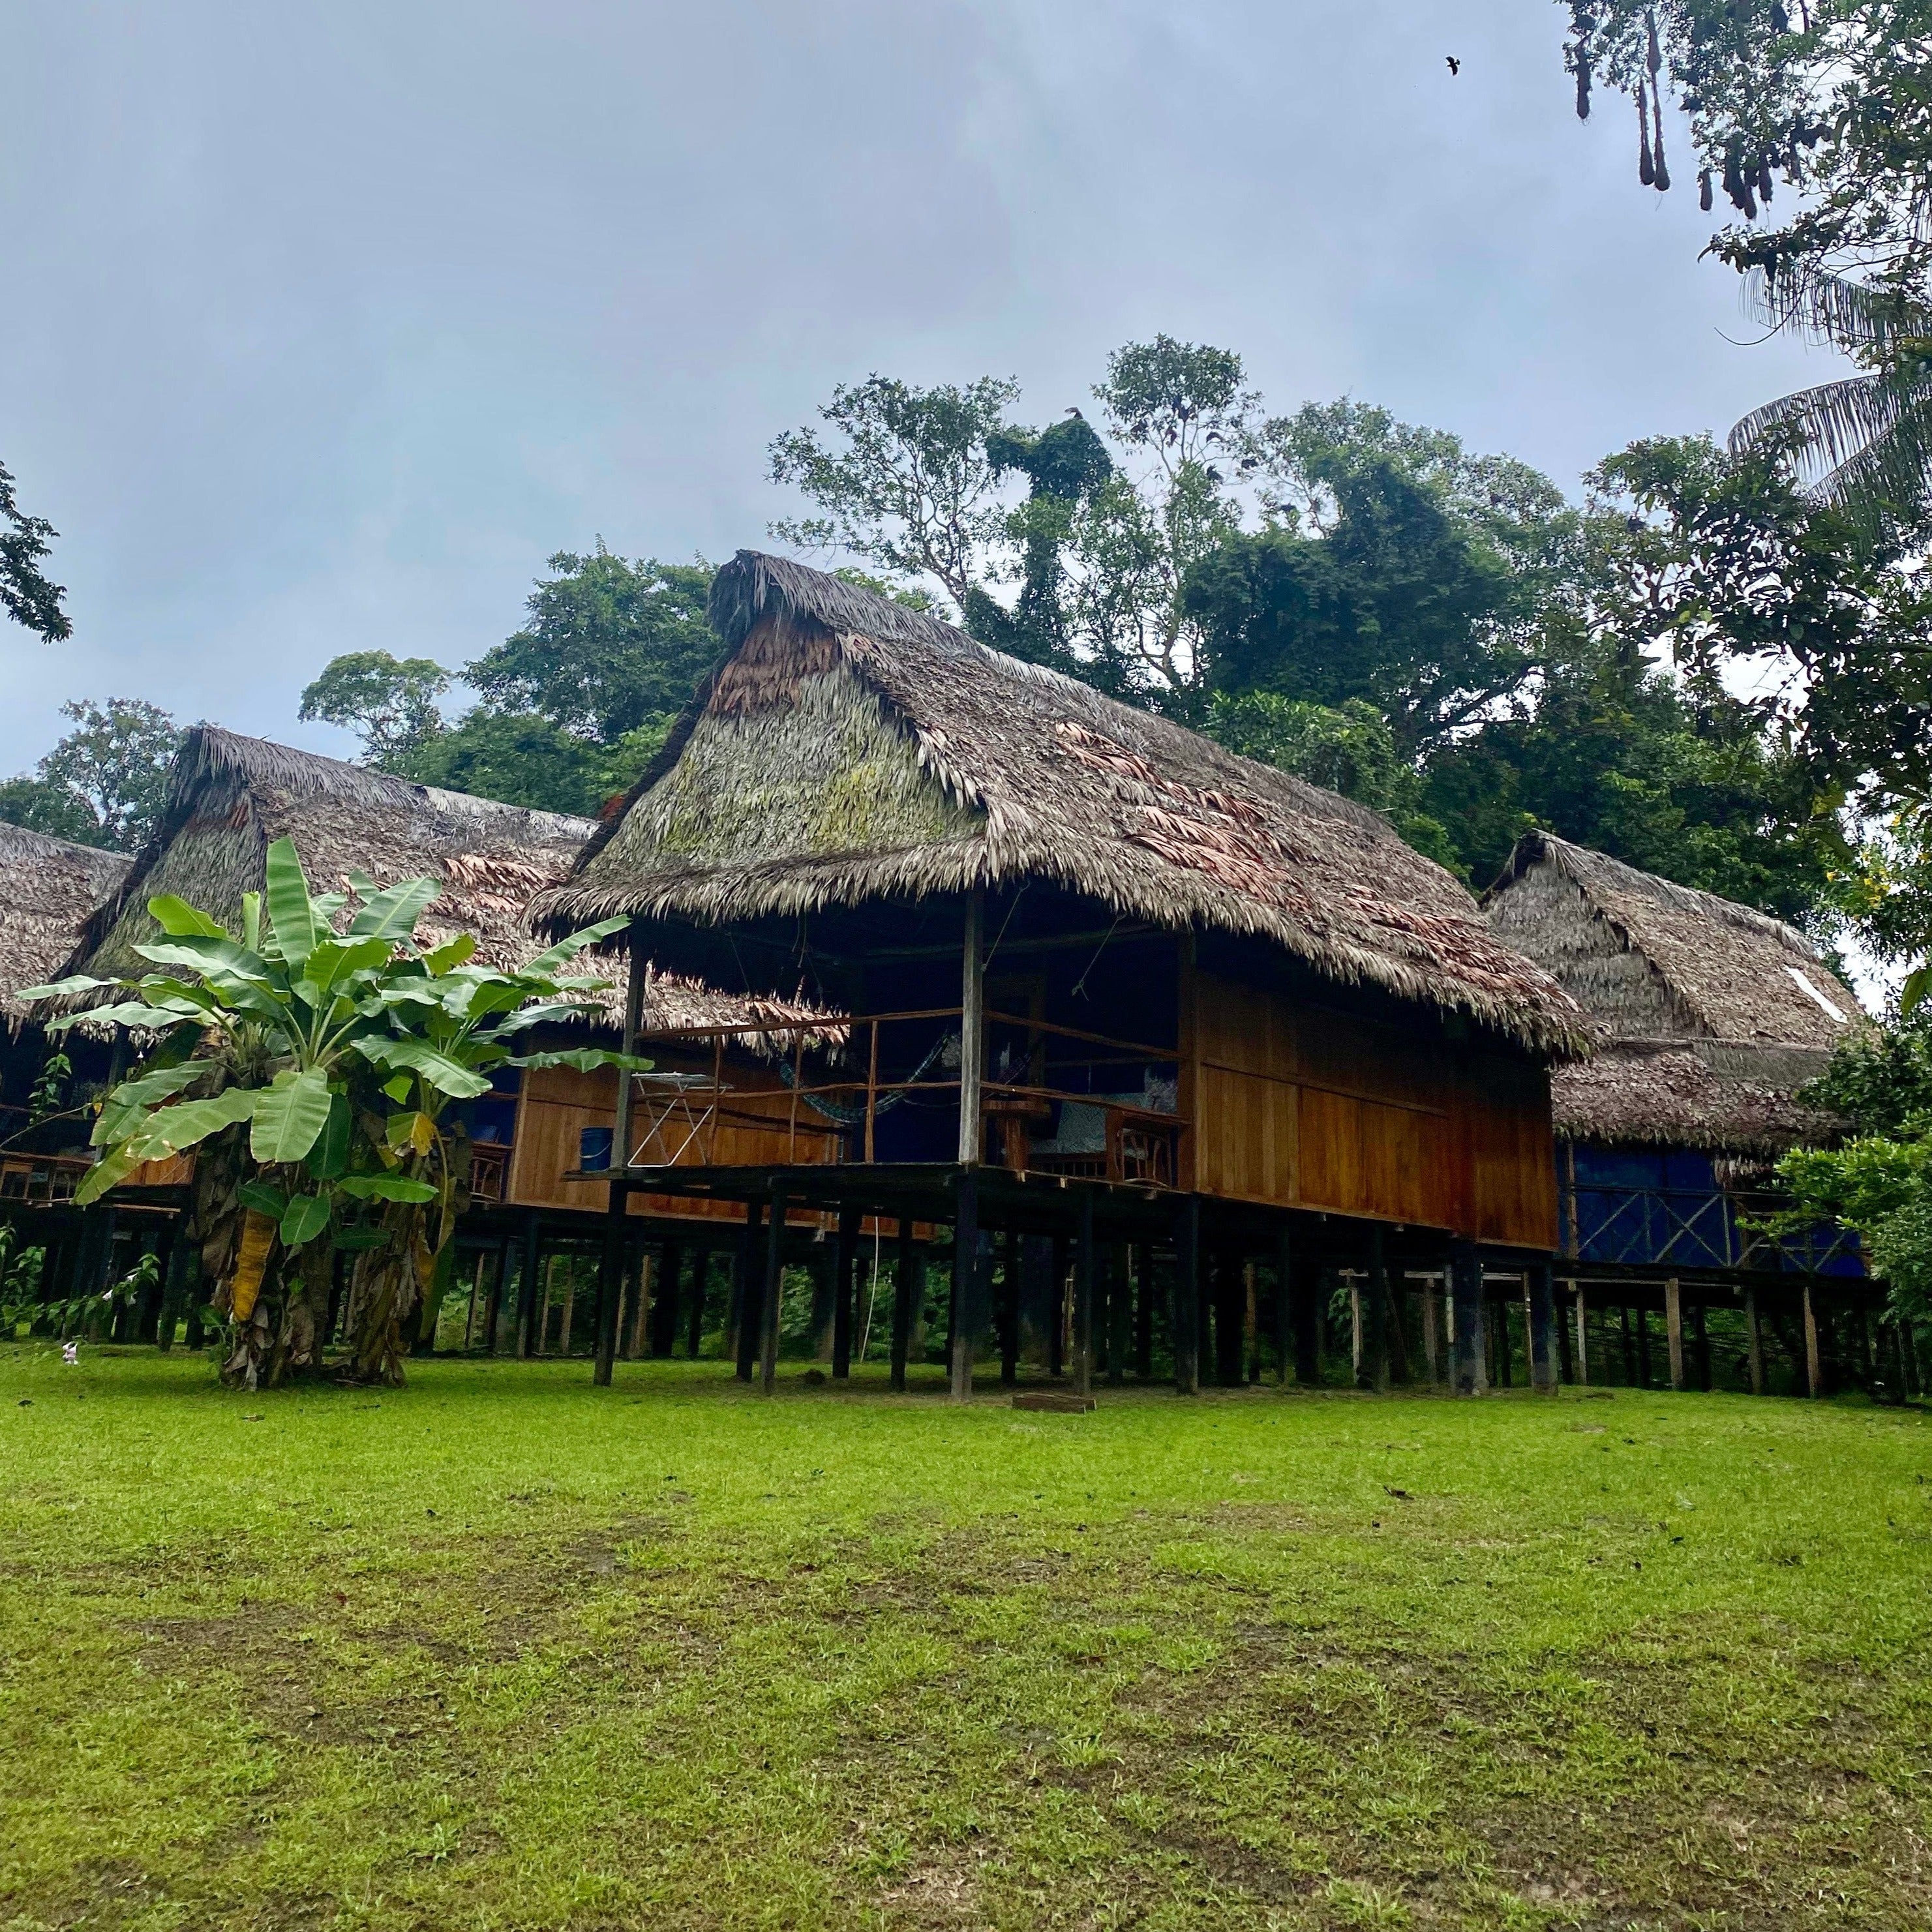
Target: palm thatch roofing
[48,887]
[848,747]
[229,798]
[1714,1014]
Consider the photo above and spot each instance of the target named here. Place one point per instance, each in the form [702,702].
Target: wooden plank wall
[1308,1106]
[559,1102]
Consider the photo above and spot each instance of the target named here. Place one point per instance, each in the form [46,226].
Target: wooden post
[1058,1347]
[1143,1294]
[1010,1308]
[664,1311]
[1187,1297]
[902,1304]
[750,1324]
[965,1278]
[844,1265]
[610,1275]
[174,1289]
[773,1294]
[621,1146]
[871,1094]
[1673,1325]
[1542,1329]
[1431,1329]
[972,1031]
[1754,1337]
[1084,1262]
[1284,1303]
[1466,1270]
[1376,1311]
[528,1269]
[1582,1334]
[1250,1323]
[1814,1366]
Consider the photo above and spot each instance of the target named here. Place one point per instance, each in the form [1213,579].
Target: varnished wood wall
[559,1102]
[1299,1104]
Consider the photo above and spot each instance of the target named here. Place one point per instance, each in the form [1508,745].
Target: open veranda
[500,1648]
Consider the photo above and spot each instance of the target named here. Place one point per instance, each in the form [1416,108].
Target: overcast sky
[324,327]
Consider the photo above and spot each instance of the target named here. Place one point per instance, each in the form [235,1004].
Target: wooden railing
[824,1116]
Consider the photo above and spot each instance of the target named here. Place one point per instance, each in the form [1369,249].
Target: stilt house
[1715,1018]
[228,798]
[1103,980]
[48,887]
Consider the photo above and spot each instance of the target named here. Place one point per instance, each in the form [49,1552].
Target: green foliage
[1837,105]
[904,481]
[104,782]
[1880,1181]
[611,647]
[26,595]
[302,1034]
[390,702]
[521,758]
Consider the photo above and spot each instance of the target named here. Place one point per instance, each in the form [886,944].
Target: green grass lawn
[500,1649]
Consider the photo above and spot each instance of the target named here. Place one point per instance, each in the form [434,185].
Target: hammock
[852,1117]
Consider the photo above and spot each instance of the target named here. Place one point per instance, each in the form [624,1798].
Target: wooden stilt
[1010,1308]
[1085,1262]
[1376,1310]
[771,1297]
[1582,1334]
[1059,1344]
[1250,1323]
[1643,1345]
[902,1305]
[1814,1366]
[1229,1320]
[1144,1299]
[1466,1270]
[1120,1311]
[1432,1331]
[529,1270]
[1542,1329]
[1754,1341]
[1673,1327]
[742,1342]
[965,1284]
[610,1276]
[1284,1304]
[694,1331]
[1187,1296]
[844,1270]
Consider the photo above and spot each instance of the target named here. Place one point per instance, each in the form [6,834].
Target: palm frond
[1851,315]
[1820,429]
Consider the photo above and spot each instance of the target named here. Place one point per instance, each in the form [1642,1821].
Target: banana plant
[340,1051]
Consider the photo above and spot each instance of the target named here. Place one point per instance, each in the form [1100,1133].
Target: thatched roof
[1714,1015]
[1651,959]
[47,888]
[230,797]
[1690,1094]
[849,749]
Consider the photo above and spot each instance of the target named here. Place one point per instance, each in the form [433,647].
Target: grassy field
[502,1650]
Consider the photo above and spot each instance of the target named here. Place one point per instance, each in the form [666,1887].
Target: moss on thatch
[849,749]
[48,887]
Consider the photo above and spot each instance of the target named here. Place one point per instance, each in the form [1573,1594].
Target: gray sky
[325,326]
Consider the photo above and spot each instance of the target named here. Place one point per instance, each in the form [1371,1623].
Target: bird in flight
[1455,65]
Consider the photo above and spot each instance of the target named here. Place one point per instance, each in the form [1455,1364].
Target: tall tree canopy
[25,593]
[103,782]
[573,705]
[1830,100]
